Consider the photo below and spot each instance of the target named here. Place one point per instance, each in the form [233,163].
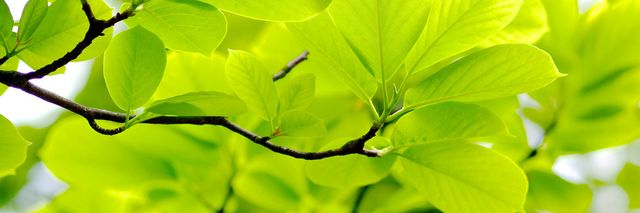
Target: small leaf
[458,25]
[298,123]
[321,36]
[350,171]
[628,180]
[496,72]
[451,174]
[184,25]
[32,15]
[13,148]
[6,23]
[133,67]
[299,92]
[281,10]
[199,104]
[253,84]
[447,122]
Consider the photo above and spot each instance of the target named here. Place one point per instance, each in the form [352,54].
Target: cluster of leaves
[430,82]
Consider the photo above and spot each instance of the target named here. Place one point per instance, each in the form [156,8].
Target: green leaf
[527,27]
[628,180]
[380,34]
[548,192]
[455,26]
[253,84]
[350,171]
[206,73]
[133,67]
[199,104]
[184,25]
[463,177]
[86,158]
[298,123]
[6,23]
[62,28]
[13,148]
[282,10]
[321,36]
[32,15]
[496,72]
[298,93]
[447,122]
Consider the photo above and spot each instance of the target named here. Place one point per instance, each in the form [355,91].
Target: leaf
[350,171]
[548,192]
[62,28]
[32,15]
[13,148]
[298,123]
[496,72]
[321,36]
[281,10]
[451,174]
[206,73]
[86,158]
[253,84]
[455,26]
[298,93]
[380,35]
[527,27]
[199,104]
[447,122]
[133,67]
[628,180]
[6,23]
[184,25]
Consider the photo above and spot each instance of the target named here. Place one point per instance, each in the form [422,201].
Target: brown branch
[293,63]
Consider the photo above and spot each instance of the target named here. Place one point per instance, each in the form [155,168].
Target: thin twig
[293,63]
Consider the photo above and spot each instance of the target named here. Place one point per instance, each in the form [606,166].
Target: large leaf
[199,104]
[62,28]
[253,84]
[13,148]
[458,25]
[527,27]
[298,123]
[6,23]
[352,170]
[299,92]
[496,72]
[447,122]
[379,34]
[79,156]
[464,177]
[321,36]
[133,67]
[628,180]
[271,10]
[184,25]
[32,15]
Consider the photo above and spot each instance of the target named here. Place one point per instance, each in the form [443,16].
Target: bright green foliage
[450,174]
[298,94]
[323,37]
[13,148]
[458,25]
[272,10]
[133,66]
[6,23]
[32,15]
[447,122]
[206,74]
[628,180]
[495,72]
[379,35]
[350,171]
[549,192]
[184,25]
[62,28]
[527,27]
[253,84]
[298,123]
[199,104]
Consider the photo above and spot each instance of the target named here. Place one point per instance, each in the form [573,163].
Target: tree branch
[293,63]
